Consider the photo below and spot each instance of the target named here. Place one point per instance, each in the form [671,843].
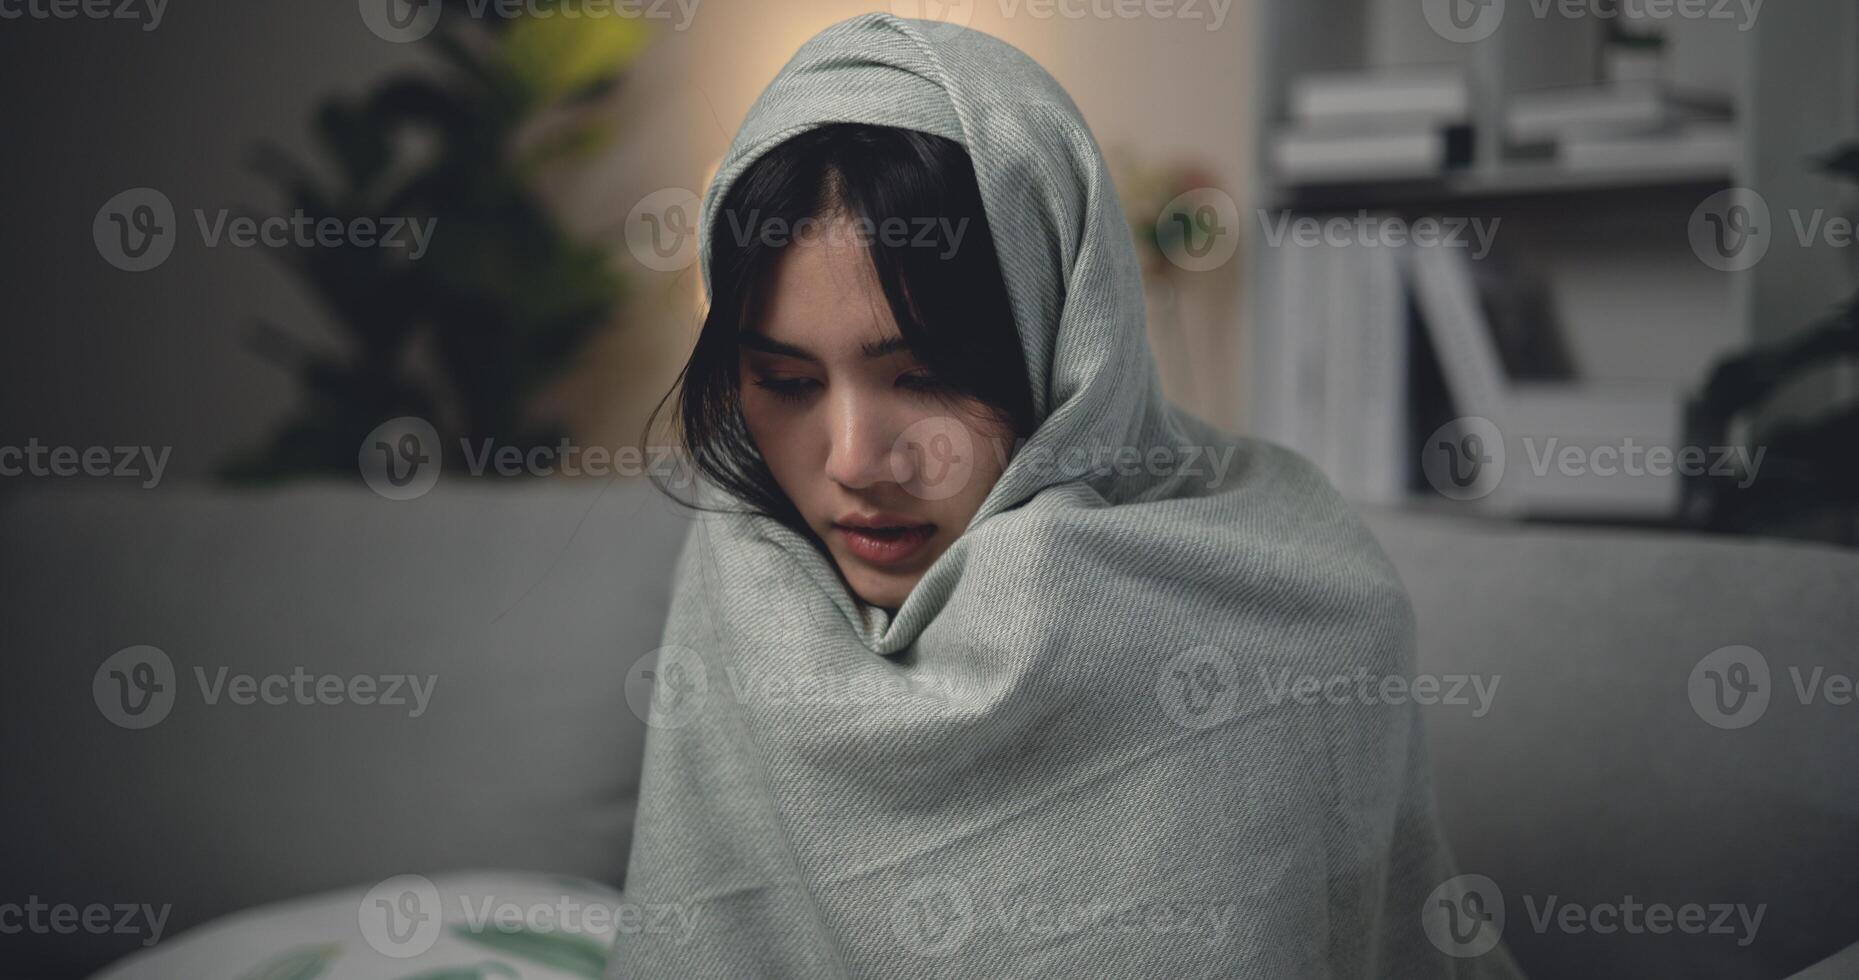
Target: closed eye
[922,381]
[790,389]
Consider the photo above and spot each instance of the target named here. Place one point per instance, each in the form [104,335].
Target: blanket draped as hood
[1086,744]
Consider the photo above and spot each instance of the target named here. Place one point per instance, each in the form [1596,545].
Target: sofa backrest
[1599,774]
[1591,777]
[522,608]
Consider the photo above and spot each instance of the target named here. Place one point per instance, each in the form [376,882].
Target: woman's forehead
[827,298]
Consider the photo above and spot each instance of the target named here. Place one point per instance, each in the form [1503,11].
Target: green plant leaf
[575,144]
[504,296]
[356,139]
[554,57]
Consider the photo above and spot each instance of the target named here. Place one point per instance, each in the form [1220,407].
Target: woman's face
[883,463]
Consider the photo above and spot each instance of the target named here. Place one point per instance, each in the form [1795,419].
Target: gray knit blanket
[1085,744]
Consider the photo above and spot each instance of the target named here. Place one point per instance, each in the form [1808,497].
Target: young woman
[983,659]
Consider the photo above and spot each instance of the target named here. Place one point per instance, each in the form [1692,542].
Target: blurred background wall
[92,355]
[95,356]
[1210,113]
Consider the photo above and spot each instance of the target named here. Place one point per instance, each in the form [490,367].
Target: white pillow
[482,924]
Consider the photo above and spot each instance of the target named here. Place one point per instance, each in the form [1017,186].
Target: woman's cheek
[774,425]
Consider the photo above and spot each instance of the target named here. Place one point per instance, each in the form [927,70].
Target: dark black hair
[947,294]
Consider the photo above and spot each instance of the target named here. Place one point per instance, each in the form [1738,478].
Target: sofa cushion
[1600,775]
[286,618]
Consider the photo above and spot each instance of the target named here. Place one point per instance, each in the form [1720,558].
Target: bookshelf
[1611,248]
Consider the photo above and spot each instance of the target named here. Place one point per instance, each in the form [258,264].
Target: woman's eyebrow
[758,341]
[886,347]
[755,340]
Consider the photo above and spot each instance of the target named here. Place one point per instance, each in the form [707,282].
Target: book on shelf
[1590,114]
[1393,123]
[1543,422]
[1332,356]
[1410,96]
[1547,115]
[1699,144]
[1309,156]
[1520,310]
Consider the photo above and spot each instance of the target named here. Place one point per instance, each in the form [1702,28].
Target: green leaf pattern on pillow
[298,964]
[569,953]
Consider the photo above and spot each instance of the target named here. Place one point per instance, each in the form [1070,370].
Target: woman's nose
[863,443]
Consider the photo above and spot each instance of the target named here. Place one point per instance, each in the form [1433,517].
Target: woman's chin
[885,588]
[883,576]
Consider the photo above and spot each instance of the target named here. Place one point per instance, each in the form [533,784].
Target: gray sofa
[1592,780]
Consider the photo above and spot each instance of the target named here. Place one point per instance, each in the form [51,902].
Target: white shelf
[1511,180]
